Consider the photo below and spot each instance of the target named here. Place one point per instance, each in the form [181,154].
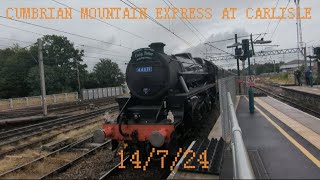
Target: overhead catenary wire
[270,20]
[20,29]
[31,44]
[114,25]
[279,21]
[219,49]
[107,54]
[132,5]
[77,44]
[90,38]
[93,47]
[28,42]
[65,32]
[94,57]
[190,22]
[121,29]
[33,58]
[5,46]
[229,39]
[180,17]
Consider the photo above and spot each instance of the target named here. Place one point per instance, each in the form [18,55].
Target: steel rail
[68,165]
[31,128]
[31,111]
[290,102]
[48,155]
[114,170]
[67,148]
[46,138]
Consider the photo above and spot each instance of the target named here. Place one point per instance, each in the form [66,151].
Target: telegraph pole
[78,76]
[42,80]
[274,66]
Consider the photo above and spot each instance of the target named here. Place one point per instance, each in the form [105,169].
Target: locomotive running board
[214,149]
[182,96]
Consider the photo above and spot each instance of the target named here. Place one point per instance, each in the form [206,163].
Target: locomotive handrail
[242,168]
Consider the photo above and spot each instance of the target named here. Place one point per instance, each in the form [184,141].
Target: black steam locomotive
[169,94]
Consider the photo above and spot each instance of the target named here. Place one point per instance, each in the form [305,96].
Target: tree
[14,66]
[267,68]
[53,83]
[64,59]
[107,73]
[19,71]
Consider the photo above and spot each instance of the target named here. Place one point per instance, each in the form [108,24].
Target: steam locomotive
[169,95]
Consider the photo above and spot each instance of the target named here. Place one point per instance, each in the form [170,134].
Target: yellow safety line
[305,132]
[291,139]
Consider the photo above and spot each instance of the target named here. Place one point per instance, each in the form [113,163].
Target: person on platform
[297,75]
[306,75]
[309,74]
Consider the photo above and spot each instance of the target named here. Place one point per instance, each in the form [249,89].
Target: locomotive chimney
[158,47]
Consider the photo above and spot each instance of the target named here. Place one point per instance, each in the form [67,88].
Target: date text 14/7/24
[135,160]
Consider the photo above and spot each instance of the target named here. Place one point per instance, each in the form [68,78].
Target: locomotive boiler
[169,95]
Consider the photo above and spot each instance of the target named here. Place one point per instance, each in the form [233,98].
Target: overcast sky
[212,29]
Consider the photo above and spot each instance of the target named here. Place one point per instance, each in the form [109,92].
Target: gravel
[92,167]
[97,165]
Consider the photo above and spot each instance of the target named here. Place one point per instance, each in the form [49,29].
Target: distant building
[293,65]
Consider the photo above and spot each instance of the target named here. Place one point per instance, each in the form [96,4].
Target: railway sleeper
[55,144]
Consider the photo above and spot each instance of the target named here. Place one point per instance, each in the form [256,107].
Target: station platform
[315,90]
[282,142]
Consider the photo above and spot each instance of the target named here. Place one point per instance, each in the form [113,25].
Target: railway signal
[244,53]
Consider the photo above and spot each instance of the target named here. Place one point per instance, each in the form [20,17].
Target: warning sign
[251,81]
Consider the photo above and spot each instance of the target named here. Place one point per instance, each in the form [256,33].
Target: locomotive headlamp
[170,117]
[157,138]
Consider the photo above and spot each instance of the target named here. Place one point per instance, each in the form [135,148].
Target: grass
[44,167]
[281,78]
[10,162]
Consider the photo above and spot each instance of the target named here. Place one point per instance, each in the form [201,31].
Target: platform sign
[250,81]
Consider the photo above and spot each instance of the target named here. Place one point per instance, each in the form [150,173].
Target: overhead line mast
[299,28]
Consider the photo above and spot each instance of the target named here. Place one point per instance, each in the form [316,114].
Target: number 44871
[135,159]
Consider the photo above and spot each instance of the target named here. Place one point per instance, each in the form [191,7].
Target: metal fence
[33,101]
[98,93]
[231,132]
[226,85]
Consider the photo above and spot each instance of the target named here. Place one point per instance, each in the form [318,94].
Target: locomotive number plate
[143,69]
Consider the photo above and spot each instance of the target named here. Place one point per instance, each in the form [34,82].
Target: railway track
[57,161]
[104,167]
[114,170]
[60,108]
[17,139]
[289,101]
[153,171]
